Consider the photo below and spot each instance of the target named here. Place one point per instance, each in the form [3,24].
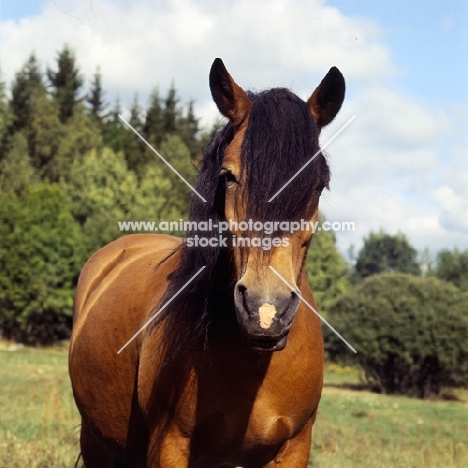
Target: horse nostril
[241,289]
[295,295]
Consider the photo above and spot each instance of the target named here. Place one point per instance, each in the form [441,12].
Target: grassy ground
[362,429]
[38,419]
[39,423]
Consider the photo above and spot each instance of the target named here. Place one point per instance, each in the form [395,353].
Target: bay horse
[230,371]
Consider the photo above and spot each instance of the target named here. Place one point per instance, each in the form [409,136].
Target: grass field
[39,423]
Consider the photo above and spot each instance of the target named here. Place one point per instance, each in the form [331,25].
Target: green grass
[363,429]
[39,422]
[38,418]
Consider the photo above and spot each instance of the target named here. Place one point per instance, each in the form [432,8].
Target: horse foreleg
[94,455]
[295,452]
[171,452]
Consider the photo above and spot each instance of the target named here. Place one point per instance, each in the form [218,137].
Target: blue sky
[15,10]
[428,40]
[401,165]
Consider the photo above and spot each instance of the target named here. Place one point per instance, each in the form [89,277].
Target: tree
[177,154]
[410,333]
[36,116]
[154,126]
[171,114]
[66,83]
[452,266]
[41,255]
[24,89]
[95,97]
[80,135]
[134,147]
[189,131]
[326,268]
[383,252]
[113,132]
[45,133]
[103,192]
[6,119]
[16,172]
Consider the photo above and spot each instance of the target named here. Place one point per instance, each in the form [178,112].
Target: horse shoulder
[117,292]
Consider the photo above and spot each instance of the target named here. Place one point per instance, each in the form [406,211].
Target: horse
[192,353]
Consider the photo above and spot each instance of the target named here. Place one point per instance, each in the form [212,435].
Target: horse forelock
[280,140]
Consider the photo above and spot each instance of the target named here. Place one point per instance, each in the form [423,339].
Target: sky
[400,166]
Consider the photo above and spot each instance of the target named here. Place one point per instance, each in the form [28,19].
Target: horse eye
[229,177]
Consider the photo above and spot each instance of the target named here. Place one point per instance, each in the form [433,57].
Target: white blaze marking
[266,313]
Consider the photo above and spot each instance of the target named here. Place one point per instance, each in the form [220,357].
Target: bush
[41,253]
[410,333]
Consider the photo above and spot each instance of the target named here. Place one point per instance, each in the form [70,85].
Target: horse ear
[231,99]
[326,100]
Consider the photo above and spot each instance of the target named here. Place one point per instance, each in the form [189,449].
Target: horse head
[275,138]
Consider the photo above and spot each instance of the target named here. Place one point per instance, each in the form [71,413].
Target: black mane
[280,139]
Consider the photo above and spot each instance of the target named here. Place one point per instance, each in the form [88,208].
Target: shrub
[410,333]
[41,253]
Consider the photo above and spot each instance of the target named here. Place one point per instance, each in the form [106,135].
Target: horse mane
[280,139]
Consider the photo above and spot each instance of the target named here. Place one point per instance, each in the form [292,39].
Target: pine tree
[189,130]
[134,147]
[154,128]
[135,115]
[35,116]
[171,113]
[95,97]
[26,84]
[6,119]
[66,83]
[113,131]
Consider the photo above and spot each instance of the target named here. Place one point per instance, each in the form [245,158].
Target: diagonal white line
[312,309]
[312,158]
[160,157]
[161,309]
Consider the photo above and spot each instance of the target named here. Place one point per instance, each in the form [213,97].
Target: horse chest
[244,413]
[235,425]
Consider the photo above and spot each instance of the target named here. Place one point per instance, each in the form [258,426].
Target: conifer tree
[189,131]
[113,131]
[135,148]
[26,83]
[95,97]
[153,127]
[5,120]
[171,113]
[66,83]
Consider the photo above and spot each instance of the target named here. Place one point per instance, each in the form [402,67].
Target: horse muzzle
[264,319]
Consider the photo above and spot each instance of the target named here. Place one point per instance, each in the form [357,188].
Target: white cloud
[141,44]
[391,168]
[454,215]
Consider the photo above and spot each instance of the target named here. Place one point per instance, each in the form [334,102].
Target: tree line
[70,169]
